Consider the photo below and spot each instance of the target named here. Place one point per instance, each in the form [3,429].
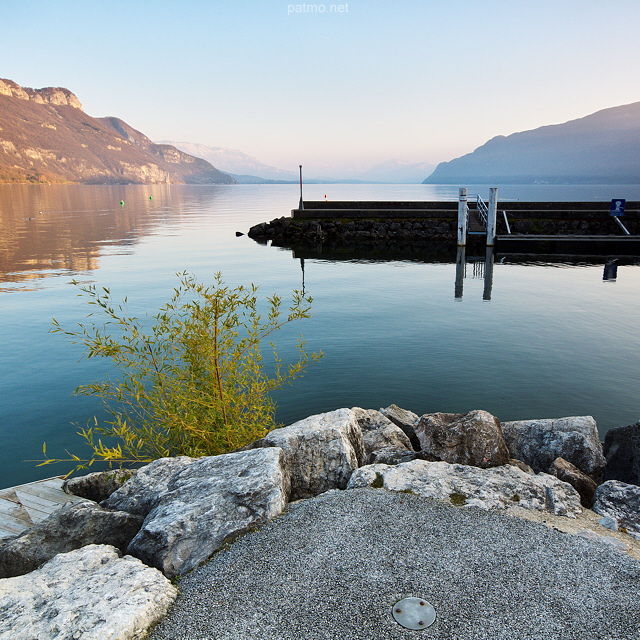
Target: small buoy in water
[239,233]
[122,203]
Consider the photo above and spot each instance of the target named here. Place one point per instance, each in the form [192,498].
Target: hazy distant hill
[45,136]
[397,172]
[603,147]
[235,162]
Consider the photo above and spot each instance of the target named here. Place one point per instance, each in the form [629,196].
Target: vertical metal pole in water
[301,205]
[460,266]
[488,274]
[462,217]
[491,216]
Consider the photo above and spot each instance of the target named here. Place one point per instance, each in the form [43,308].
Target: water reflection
[48,230]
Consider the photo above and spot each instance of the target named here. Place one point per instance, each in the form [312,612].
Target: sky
[329,85]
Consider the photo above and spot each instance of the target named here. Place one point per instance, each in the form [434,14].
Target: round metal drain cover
[414,613]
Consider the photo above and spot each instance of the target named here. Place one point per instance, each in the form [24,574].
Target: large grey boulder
[210,502]
[540,442]
[68,528]
[582,483]
[383,440]
[98,486]
[622,451]
[473,438]
[404,419]
[620,501]
[321,451]
[90,593]
[463,485]
[141,493]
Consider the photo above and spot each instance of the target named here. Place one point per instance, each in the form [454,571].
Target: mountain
[45,136]
[243,167]
[602,148]
[396,172]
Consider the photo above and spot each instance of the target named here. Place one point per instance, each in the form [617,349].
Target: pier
[510,226]
[25,505]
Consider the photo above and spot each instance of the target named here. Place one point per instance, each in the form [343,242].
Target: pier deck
[23,506]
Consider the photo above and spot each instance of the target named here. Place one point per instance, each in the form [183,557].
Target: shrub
[193,380]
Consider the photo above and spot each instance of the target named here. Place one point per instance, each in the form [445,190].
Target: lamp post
[301,205]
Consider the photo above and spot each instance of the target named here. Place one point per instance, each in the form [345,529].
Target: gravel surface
[332,567]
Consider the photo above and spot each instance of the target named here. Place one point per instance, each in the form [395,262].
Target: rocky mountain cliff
[45,136]
[602,148]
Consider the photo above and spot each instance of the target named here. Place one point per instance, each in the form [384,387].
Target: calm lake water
[553,340]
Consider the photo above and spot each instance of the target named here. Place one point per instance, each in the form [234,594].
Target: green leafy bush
[192,380]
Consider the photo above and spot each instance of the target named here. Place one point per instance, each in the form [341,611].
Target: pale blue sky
[415,80]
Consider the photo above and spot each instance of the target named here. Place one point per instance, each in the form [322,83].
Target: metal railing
[483,211]
[506,222]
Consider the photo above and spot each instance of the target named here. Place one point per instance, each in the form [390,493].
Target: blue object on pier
[617,207]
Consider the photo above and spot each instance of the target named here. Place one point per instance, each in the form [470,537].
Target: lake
[553,340]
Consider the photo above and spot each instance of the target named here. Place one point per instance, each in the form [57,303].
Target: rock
[98,486]
[69,528]
[587,534]
[521,465]
[582,483]
[90,593]
[392,455]
[404,419]
[622,451]
[473,438]
[608,523]
[141,493]
[379,433]
[620,501]
[322,451]
[210,502]
[370,419]
[463,485]
[540,442]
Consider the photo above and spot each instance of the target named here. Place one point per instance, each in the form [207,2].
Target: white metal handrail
[483,210]
[506,222]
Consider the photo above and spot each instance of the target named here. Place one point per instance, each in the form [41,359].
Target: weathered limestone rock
[384,442]
[622,451]
[209,502]
[98,486]
[540,442]
[141,493]
[392,455]
[90,593]
[69,528]
[404,419]
[321,451]
[463,485]
[371,419]
[473,438]
[620,501]
[582,483]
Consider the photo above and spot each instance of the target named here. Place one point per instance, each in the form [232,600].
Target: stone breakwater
[102,568]
[291,231]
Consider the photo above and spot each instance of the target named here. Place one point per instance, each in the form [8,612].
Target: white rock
[321,451]
[141,493]
[209,502]
[494,488]
[89,594]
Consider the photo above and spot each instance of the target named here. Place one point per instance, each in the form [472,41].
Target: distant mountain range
[249,170]
[45,136]
[602,148]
